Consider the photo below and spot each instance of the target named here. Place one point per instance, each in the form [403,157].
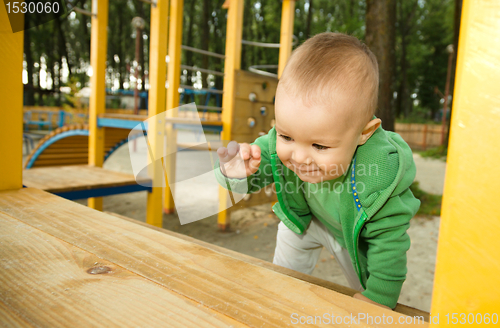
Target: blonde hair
[334,61]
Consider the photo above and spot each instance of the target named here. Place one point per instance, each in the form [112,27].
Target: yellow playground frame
[161,99]
[466,279]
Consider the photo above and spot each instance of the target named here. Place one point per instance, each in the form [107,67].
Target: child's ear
[368,130]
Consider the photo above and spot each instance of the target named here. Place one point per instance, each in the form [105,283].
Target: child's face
[315,141]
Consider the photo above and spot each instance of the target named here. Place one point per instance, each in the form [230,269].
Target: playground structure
[464,284]
[48,118]
[69,146]
[248,102]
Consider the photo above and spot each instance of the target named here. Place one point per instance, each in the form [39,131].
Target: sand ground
[253,230]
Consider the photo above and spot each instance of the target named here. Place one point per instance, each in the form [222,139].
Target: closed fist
[239,160]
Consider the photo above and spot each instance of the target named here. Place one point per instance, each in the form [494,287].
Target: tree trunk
[246,51]
[189,54]
[86,34]
[62,44]
[205,40]
[220,42]
[380,38]
[402,100]
[307,32]
[40,101]
[59,76]
[119,49]
[140,13]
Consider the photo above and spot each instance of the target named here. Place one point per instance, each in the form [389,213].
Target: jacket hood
[384,168]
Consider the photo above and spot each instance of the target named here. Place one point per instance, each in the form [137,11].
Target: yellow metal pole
[466,284]
[286,34]
[174,75]
[231,64]
[11,95]
[98,47]
[157,76]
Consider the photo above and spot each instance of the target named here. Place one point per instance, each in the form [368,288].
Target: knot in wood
[99,270]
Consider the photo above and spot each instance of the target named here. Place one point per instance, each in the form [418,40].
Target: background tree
[380,38]
[412,64]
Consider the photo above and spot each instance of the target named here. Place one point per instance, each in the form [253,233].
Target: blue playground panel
[100,192]
[128,124]
[48,123]
[72,133]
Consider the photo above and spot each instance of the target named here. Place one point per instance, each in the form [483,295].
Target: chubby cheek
[336,164]
[282,152]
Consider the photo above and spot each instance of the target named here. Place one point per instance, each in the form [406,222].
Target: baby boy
[342,181]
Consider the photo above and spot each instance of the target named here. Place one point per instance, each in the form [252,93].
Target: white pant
[301,252]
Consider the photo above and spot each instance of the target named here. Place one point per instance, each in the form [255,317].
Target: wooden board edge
[400,308]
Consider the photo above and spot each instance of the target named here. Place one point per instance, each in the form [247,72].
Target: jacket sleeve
[253,183]
[387,243]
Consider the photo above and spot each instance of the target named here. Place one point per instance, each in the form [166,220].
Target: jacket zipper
[357,231]
[279,191]
[361,221]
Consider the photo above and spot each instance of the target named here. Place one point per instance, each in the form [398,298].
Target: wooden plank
[69,144]
[68,139]
[73,155]
[248,293]
[400,308]
[248,109]
[51,164]
[248,82]
[10,318]
[65,162]
[243,138]
[58,150]
[63,291]
[58,179]
[116,137]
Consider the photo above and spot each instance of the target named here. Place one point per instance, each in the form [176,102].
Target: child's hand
[362,297]
[239,160]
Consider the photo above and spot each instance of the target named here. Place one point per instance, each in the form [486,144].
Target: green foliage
[418,115]
[440,152]
[423,30]
[430,204]
[73,103]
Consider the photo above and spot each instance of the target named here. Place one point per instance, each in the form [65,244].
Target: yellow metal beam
[286,34]
[98,47]
[157,73]
[174,75]
[11,108]
[232,63]
[468,262]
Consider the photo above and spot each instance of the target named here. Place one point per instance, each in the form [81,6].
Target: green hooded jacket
[374,221]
